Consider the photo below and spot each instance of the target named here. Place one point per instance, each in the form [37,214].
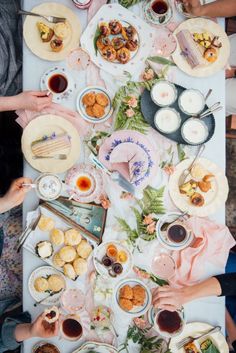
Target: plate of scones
[94,104]
[59,245]
[52,41]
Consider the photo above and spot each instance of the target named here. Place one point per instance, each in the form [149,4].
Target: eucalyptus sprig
[128,3]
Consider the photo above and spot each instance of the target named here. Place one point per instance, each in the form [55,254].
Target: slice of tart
[46,33]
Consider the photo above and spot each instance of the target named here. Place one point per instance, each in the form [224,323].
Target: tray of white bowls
[173,111]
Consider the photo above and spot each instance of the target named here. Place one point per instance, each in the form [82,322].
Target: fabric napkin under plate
[25,116]
[212,244]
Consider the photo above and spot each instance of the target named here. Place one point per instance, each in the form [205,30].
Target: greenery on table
[128,3]
[142,273]
[160,60]
[151,203]
[139,336]
[181,153]
[95,38]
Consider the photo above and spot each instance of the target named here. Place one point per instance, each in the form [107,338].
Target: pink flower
[151,228]
[105,202]
[129,113]
[148,74]
[140,273]
[140,322]
[132,102]
[147,219]
[169,169]
[126,196]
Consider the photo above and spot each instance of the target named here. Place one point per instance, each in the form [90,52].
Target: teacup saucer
[71,85]
[161,21]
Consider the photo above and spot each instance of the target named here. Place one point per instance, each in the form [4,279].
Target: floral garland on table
[127,100]
[150,205]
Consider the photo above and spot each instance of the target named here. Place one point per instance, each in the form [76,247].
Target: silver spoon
[166,224]
[187,171]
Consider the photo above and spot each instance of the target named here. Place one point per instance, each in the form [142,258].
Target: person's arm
[227,283]
[15,195]
[170,298]
[31,100]
[217,8]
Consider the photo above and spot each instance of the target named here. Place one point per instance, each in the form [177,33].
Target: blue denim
[7,329]
[231,300]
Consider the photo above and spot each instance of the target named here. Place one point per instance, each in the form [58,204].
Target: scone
[84,249]
[57,236]
[57,261]
[56,283]
[67,253]
[80,266]
[72,237]
[46,223]
[61,30]
[41,284]
[69,271]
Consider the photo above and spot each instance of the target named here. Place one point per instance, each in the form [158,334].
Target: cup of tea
[177,232]
[57,83]
[169,323]
[48,186]
[71,328]
[159,9]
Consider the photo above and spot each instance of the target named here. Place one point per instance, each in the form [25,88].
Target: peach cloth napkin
[25,116]
[212,244]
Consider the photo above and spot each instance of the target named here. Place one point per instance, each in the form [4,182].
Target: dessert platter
[62,247]
[214,342]
[46,138]
[116,39]
[168,109]
[202,47]
[204,190]
[51,41]
[94,104]
[130,153]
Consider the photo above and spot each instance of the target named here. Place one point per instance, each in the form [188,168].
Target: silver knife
[27,232]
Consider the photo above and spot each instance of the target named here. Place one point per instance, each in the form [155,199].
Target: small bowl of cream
[167,120]
[194,131]
[191,102]
[164,93]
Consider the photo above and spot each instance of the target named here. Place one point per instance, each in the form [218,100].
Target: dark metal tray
[149,108]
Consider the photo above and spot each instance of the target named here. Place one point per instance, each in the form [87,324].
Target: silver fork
[51,19]
[56,156]
[190,339]
[187,171]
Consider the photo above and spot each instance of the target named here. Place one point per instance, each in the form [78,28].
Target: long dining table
[210,310]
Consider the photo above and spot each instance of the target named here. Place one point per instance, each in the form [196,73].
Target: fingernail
[48,93]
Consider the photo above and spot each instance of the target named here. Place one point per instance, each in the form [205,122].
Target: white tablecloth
[210,310]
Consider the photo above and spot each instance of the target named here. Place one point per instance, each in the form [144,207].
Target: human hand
[15,195]
[169,298]
[33,100]
[41,328]
[193,7]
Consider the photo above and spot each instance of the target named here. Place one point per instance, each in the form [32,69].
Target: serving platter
[149,108]
[89,347]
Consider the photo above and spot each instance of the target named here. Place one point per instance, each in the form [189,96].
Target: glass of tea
[71,328]
[169,323]
[159,9]
[177,232]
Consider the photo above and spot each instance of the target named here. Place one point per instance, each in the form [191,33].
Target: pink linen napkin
[212,244]
[25,116]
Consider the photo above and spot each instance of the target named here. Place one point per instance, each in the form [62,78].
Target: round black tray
[149,108]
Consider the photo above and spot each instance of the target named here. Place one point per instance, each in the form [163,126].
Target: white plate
[214,198]
[81,108]
[32,36]
[47,125]
[195,329]
[118,12]
[44,271]
[163,239]
[203,25]
[58,97]
[96,347]
[100,251]
[137,310]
